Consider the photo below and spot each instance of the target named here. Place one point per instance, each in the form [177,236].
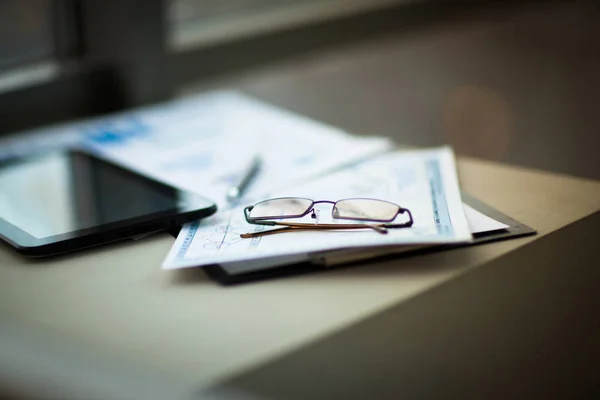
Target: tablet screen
[62,192]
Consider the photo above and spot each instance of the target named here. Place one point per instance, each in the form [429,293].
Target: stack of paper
[205,144]
[424,181]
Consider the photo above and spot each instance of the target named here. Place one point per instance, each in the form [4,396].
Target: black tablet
[67,200]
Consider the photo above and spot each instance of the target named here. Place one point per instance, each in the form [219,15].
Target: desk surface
[115,303]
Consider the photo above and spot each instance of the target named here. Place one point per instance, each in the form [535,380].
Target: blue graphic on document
[116,132]
[441,214]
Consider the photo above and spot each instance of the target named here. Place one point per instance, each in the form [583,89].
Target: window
[25,32]
[195,23]
[65,59]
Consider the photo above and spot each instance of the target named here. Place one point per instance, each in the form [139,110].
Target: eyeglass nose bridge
[313,212]
[324,201]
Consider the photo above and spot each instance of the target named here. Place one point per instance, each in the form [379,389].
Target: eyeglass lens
[365,209]
[285,207]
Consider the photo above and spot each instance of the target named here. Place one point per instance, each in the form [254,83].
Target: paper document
[478,223]
[424,181]
[206,143]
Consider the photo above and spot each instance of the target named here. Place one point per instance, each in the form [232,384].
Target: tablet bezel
[196,207]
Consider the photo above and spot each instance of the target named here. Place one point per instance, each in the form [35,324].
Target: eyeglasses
[356,209]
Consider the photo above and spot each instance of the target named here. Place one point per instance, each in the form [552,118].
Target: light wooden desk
[112,309]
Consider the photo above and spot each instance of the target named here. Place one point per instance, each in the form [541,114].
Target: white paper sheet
[206,143]
[479,223]
[423,181]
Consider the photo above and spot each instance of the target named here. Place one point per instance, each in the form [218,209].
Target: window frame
[129,64]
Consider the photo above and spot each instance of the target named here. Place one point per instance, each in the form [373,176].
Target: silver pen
[234,193]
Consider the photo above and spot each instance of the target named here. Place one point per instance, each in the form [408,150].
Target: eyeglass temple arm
[308,227]
[293,227]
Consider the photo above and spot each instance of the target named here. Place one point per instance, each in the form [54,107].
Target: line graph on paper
[223,234]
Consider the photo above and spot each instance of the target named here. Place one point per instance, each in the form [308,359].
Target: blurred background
[511,81]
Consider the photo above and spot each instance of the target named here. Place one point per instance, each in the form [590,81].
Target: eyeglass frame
[381,227]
